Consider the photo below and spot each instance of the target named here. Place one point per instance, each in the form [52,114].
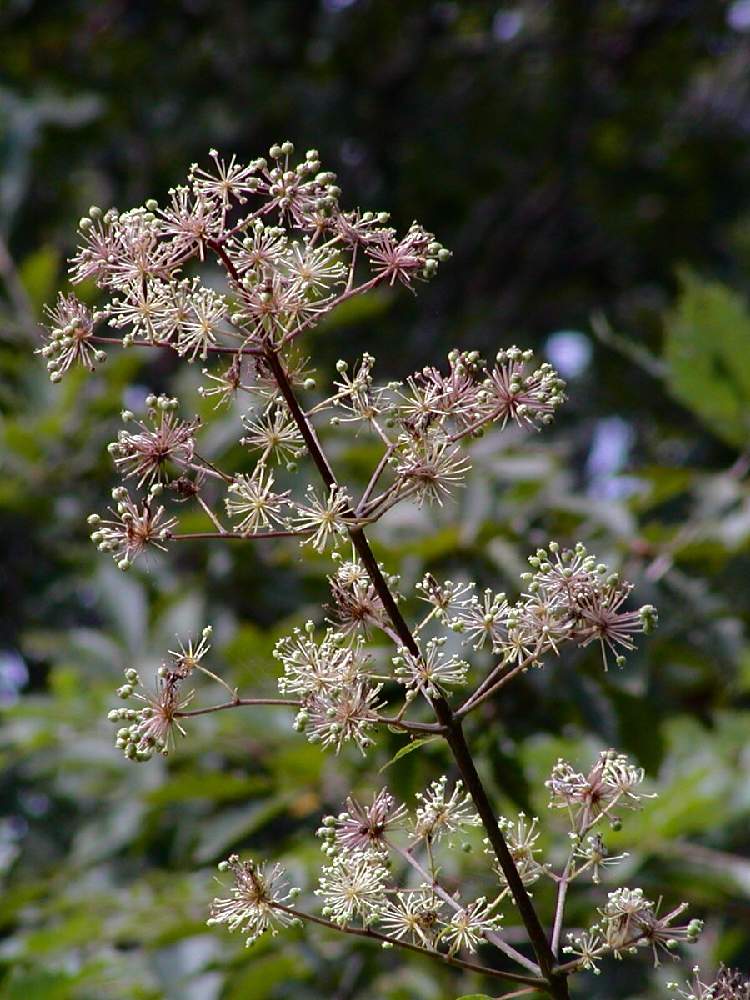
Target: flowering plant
[290,256]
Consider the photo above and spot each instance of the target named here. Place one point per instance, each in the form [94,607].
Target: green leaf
[409,748]
[707,351]
[474,996]
[39,272]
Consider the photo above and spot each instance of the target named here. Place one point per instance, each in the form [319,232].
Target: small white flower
[353,886]
[253,499]
[275,435]
[588,948]
[231,181]
[468,926]
[343,716]
[414,916]
[432,670]
[437,815]
[324,518]
[253,905]
[315,668]
[198,331]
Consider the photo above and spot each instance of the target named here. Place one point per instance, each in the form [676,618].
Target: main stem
[556,982]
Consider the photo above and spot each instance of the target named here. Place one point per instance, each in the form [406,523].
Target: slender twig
[374,478]
[235,536]
[526,991]
[238,703]
[413,727]
[211,348]
[367,932]
[483,693]
[562,893]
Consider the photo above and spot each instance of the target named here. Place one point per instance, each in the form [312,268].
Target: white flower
[444,596]
[253,905]
[468,925]
[588,948]
[231,181]
[483,622]
[437,815]
[521,837]
[316,268]
[275,434]
[353,885]
[159,439]
[136,529]
[346,715]
[430,469]
[414,916]
[312,668]
[253,499]
[595,856]
[262,248]
[191,219]
[432,670]
[151,727]
[71,325]
[140,307]
[324,518]
[188,657]
[198,331]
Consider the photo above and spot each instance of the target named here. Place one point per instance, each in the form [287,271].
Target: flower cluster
[612,782]
[569,597]
[256,901]
[333,681]
[629,921]
[134,528]
[276,227]
[728,985]
[290,254]
[150,728]
[162,439]
[70,343]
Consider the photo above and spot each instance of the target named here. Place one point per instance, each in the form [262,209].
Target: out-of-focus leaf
[221,832]
[190,786]
[707,350]
[38,273]
[256,982]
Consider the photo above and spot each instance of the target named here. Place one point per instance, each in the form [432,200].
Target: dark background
[587,163]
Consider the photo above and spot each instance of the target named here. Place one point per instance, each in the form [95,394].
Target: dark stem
[556,982]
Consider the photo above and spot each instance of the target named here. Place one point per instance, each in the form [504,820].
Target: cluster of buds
[161,439]
[134,528]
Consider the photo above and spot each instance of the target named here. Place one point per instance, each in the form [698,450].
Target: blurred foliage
[582,160]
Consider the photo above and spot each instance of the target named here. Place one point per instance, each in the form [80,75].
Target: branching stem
[555,982]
